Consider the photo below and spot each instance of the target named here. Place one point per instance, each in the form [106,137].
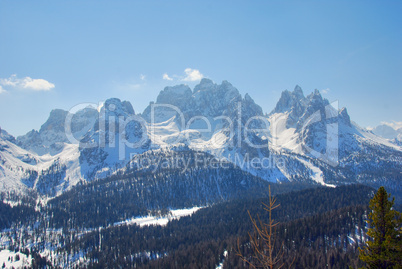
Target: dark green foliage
[384,250]
[50,178]
[317,224]
[119,198]
[321,225]
[137,192]
[15,214]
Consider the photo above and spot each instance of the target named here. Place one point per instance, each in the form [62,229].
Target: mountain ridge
[294,139]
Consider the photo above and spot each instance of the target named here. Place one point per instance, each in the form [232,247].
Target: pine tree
[384,250]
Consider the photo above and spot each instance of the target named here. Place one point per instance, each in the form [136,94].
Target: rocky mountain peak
[207,99]
[51,136]
[247,98]
[251,106]
[6,136]
[290,101]
[205,83]
[175,95]
[117,108]
[208,87]
[344,116]
[298,92]
[285,102]
[315,97]
[55,121]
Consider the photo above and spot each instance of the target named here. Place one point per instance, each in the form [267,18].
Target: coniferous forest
[318,227]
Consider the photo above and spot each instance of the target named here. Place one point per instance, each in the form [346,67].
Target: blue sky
[57,54]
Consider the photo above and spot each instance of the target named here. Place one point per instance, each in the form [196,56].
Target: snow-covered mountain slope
[391,131]
[304,138]
[306,132]
[299,122]
[15,164]
[50,162]
[214,118]
[117,135]
[386,131]
[317,130]
[22,171]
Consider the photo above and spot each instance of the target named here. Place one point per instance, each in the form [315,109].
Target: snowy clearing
[16,260]
[162,221]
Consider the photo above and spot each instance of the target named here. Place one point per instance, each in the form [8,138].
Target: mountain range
[392,131]
[304,139]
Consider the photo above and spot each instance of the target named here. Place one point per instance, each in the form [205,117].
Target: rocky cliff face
[208,99]
[51,137]
[115,136]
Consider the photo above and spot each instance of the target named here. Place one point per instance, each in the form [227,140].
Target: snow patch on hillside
[15,260]
[316,173]
[281,136]
[161,221]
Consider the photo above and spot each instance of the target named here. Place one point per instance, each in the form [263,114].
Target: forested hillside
[319,226]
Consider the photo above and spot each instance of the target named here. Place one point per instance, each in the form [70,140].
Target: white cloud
[2,90]
[11,81]
[27,83]
[326,91]
[166,77]
[37,84]
[192,75]
[142,77]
